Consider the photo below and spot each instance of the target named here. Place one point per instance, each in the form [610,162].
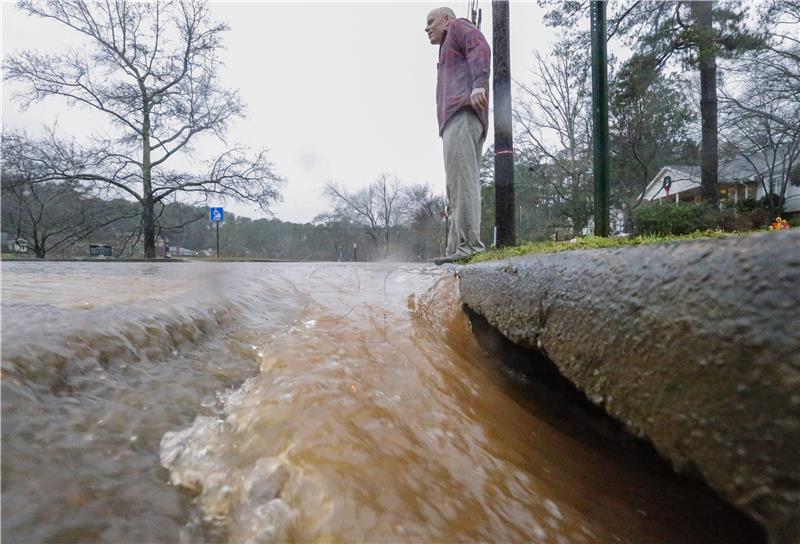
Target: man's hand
[478,99]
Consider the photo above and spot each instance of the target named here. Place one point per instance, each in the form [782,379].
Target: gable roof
[683,178]
[737,170]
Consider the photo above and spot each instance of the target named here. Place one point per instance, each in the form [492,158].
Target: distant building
[177,251]
[739,179]
[101,250]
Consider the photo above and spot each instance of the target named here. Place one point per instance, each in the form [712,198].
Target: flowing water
[251,402]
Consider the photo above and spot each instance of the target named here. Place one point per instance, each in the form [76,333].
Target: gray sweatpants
[463,144]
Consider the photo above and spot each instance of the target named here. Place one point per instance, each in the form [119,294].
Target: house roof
[684,178]
[732,171]
[737,170]
[692,171]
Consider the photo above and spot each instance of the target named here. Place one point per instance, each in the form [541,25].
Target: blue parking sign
[216,215]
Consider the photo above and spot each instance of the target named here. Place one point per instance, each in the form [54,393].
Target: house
[739,179]
[177,251]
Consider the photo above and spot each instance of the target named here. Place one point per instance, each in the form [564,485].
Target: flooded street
[273,402]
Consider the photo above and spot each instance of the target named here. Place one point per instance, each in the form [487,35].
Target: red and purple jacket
[464,64]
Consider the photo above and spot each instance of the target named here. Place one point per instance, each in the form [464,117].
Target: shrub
[674,218]
[732,221]
[747,205]
[771,198]
[759,218]
[737,220]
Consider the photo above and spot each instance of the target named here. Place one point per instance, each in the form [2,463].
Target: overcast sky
[337,91]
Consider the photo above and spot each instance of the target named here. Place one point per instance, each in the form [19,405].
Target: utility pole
[475,14]
[503,143]
[600,116]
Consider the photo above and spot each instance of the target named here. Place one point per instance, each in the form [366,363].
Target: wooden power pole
[600,116]
[503,143]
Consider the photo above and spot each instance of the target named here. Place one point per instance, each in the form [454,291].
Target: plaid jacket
[464,64]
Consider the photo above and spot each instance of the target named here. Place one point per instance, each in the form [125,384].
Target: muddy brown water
[251,402]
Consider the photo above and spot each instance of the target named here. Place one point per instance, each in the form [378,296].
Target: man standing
[462,107]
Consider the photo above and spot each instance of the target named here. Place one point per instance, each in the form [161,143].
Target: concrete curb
[694,345]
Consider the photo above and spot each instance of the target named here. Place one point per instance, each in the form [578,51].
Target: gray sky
[337,91]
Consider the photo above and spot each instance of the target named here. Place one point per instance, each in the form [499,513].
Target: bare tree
[424,212]
[152,70]
[553,117]
[388,191]
[340,230]
[771,72]
[49,214]
[771,152]
[761,108]
[355,207]
[374,206]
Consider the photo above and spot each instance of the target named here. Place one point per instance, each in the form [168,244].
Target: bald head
[445,11]
[437,23]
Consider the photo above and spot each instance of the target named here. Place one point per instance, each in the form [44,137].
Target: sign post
[216,215]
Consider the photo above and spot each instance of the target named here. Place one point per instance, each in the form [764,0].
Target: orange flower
[779,224]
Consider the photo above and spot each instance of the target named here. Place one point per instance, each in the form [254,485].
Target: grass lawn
[15,257]
[591,242]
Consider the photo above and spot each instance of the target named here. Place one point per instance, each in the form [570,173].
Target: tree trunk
[627,218]
[148,229]
[148,217]
[709,161]
[38,247]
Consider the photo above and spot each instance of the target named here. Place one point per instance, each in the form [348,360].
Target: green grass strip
[590,242]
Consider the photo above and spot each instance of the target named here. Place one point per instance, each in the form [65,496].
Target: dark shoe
[452,258]
[438,261]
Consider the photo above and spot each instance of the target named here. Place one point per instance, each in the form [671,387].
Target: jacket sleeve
[478,55]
